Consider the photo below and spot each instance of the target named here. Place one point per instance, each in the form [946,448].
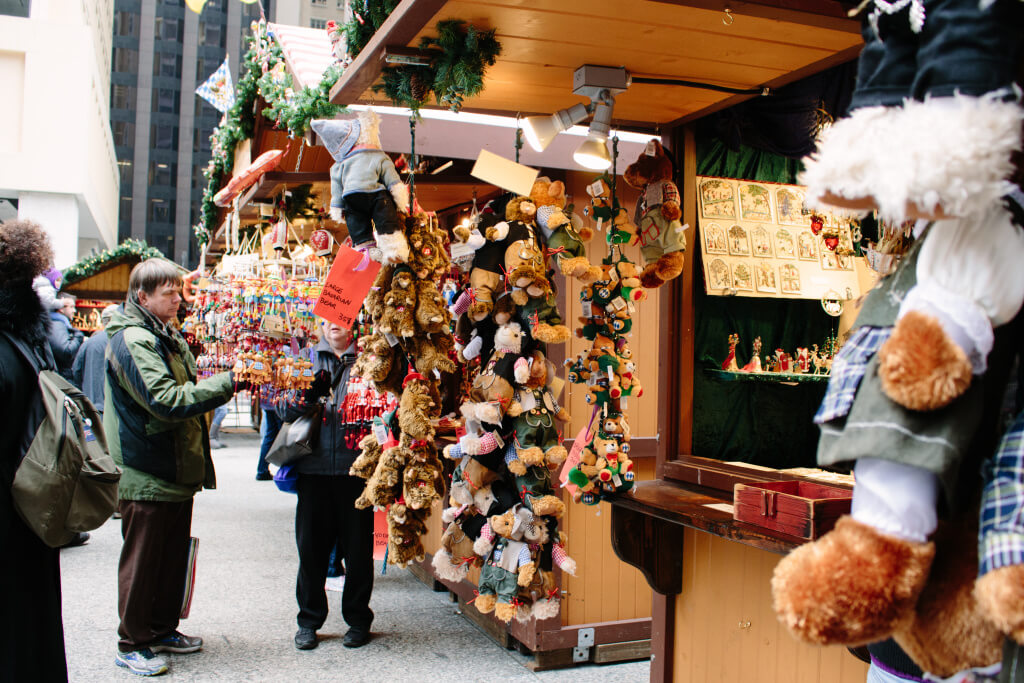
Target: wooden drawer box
[797,508]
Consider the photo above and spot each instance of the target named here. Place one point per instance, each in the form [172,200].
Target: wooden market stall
[102,279]
[709,616]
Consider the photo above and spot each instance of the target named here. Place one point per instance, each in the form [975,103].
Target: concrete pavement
[244,605]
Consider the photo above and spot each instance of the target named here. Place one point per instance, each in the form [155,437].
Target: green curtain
[758,422]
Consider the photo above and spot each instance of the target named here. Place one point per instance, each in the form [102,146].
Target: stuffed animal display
[659,232]
[366,191]
[409,348]
[503,512]
[922,373]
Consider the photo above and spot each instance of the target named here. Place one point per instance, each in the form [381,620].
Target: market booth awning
[746,45]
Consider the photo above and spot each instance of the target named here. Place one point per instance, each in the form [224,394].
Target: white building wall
[56,148]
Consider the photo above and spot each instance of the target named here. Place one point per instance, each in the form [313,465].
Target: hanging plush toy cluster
[410,346]
[503,510]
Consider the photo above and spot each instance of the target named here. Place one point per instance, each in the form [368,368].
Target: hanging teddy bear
[365,187]
[564,243]
[661,235]
[535,414]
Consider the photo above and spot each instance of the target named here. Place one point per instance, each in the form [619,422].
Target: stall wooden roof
[754,44]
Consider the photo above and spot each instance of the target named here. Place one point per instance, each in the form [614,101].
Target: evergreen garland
[462,55]
[367,17]
[91,265]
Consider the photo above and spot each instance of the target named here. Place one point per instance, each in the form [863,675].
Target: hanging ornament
[322,241]
[832,242]
[280,232]
[817,223]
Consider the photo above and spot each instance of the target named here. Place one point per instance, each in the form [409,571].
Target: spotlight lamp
[600,84]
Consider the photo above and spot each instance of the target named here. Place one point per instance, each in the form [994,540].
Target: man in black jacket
[31,630]
[325,512]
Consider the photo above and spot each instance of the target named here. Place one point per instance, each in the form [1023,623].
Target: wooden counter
[712,613]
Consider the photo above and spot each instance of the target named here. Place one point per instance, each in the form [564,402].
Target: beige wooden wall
[726,630]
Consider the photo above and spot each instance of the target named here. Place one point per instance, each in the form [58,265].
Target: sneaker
[217,443]
[305,639]
[335,583]
[81,538]
[141,662]
[177,643]
[356,637]
[264,476]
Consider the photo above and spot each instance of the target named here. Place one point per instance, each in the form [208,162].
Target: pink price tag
[345,288]
[575,453]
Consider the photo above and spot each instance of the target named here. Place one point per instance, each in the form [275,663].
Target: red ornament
[817,223]
[322,241]
[832,243]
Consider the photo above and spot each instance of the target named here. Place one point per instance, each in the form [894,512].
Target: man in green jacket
[156,431]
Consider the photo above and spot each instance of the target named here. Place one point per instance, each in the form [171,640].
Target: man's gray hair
[66,296]
[151,274]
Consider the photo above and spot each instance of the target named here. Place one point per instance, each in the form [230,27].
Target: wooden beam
[836,59]
[404,23]
[820,13]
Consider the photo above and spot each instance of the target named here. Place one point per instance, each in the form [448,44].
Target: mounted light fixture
[601,84]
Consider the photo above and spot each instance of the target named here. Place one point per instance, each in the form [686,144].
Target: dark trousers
[365,211]
[269,429]
[151,573]
[31,630]
[325,515]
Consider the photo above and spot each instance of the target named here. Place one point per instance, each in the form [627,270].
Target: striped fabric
[307,52]
[1001,531]
[848,369]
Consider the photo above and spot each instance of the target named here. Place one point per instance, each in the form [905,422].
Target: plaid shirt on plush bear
[1001,529]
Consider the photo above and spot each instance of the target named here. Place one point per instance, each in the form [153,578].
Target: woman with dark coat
[31,630]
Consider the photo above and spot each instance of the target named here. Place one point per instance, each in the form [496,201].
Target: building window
[15,8]
[211,34]
[201,141]
[126,209]
[165,100]
[318,3]
[168,28]
[126,60]
[317,23]
[126,24]
[122,97]
[167,65]
[164,137]
[124,133]
[161,210]
[162,173]
[124,171]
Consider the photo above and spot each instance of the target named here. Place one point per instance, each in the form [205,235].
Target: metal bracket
[584,641]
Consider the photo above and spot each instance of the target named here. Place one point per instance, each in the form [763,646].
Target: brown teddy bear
[523,255]
[420,483]
[564,243]
[660,233]
[429,257]
[405,529]
[381,364]
[433,353]
[369,456]
[384,486]
[431,314]
[535,412]
[374,301]
[398,318]
[418,405]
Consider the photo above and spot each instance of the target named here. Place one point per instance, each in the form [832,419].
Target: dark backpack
[67,481]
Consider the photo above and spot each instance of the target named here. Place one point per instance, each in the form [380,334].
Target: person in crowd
[31,628]
[156,430]
[218,419]
[270,426]
[47,285]
[65,340]
[89,369]
[325,514]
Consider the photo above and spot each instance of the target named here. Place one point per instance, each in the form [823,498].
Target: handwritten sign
[345,288]
[380,533]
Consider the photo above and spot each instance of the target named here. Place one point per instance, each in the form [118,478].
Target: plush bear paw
[394,247]
[505,611]
[545,609]
[551,334]
[852,586]
[479,310]
[547,505]
[448,570]
[484,603]
[921,368]
[531,456]
[517,467]
[556,455]
[1000,594]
